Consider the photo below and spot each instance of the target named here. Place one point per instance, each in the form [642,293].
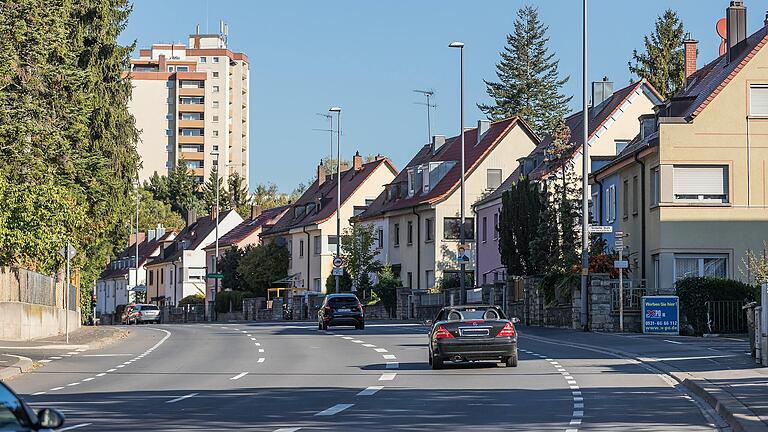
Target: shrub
[194,299]
[695,292]
[225,298]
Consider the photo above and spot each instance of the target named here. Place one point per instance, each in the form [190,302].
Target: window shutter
[758,100]
[700,180]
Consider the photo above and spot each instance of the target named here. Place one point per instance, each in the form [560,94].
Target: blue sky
[368,56]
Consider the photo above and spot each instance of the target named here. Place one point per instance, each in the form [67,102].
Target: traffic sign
[621,264]
[619,248]
[619,242]
[600,228]
[337,272]
[338,262]
[215,276]
[618,234]
[72,251]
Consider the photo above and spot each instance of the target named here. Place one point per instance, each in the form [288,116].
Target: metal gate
[726,316]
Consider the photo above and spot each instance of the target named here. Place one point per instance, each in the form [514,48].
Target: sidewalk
[20,356]
[719,370]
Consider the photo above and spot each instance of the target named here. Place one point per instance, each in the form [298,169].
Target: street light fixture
[585,168]
[215,155]
[462,235]
[337,110]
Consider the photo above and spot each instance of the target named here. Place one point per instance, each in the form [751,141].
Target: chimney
[357,161]
[132,238]
[344,166]
[765,21]
[601,92]
[320,174]
[691,54]
[255,211]
[191,217]
[160,231]
[437,142]
[151,235]
[482,128]
[736,28]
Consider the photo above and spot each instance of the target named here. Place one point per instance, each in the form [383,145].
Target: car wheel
[512,361]
[360,326]
[319,326]
[437,363]
[324,326]
[429,354]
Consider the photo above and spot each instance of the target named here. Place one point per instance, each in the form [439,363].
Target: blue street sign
[661,315]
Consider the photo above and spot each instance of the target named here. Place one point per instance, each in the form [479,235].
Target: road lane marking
[261,360]
[257,344]
[380,350]
[88,379]
[45,361]
[120,366]
[389,356]
[73,384]
[56,388]
[347,337]
[253,338]
[334,409]
[38,393]
[369,345]
[578,414]
[673,342]
[357,341]
[393,365]
[111,370]
[370,391]
[694,358]
[578,405]
[387,376]
[238,376]
[55,358]
[101,374]
[287,429]
[249,335]
[575,422]
[106,355]
[77,426]
[181,398]
[261,350]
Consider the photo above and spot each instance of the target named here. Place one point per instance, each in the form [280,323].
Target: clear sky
[368,56]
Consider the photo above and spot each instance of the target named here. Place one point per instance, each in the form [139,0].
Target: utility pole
[462,233]
[337,110]
[136,241]
[584,174]
[215,154]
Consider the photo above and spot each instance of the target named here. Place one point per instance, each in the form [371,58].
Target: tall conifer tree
[663,62]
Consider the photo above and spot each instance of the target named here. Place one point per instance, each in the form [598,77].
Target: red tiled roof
[450,151]
[193,235]
[249,226]
[351,180]
[146,249]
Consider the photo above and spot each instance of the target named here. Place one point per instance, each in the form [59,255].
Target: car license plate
[473,332]
[343,310]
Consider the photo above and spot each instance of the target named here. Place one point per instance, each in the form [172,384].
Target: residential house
[691,188]
[417,217]
[245,234]
[612,125]
[308,229]
[180,268]
[120,283]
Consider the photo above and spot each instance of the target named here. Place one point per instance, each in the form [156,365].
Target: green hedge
[194,299]
[695,292]
[223,299]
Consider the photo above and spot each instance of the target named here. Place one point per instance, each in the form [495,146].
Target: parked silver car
[144,313]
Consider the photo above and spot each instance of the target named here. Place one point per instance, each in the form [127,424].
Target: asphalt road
[291,377]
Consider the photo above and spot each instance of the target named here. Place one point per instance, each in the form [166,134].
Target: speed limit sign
[338,262]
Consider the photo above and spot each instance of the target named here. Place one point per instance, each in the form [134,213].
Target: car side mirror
[49,418]
[428,323]
[515,320]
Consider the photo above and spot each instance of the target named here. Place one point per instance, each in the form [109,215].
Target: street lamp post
[136,241]
[337,110]
[462,233]
[584,184]
[215,155]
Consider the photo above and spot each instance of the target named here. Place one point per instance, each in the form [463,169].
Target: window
[452,228]
[215,133]
[621,145]
[495,226]
[485,229]
[691,183]
[194,164]
[151,274]
[610,204]
[429,228]
[381,238]
[318,244]
[635,195]
[215,104]
[758,100]
[430,278]
[169,132]
[625,199]
[191,132]
[215,89]
[409,233]
[655,186]
[397,235]
[191,100]
[316,284]
[214,147]
[409,279]
[301,248]
[593,209]
[203,60]
[182,68]
[215,74]
[160,273]
[493,178]
[169,101]
[215,119]
[700,265]
[191,116]
[215,59]
[170,68]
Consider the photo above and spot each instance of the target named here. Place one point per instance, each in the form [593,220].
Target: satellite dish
[722,28]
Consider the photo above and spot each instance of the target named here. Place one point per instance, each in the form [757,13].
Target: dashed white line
[380,350]
[260,360]
[389,356]
[238,376]
[73,384]
[287,429]
[369,345]
[357,341]
[88,379]
[387,376]
[56,388]
[334,409]
[347,337]
[181,398]
[370,391]
[77,426]
[261,350]
[101,374]
[111,370]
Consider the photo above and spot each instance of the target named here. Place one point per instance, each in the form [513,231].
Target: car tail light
[443,333]
[507,331]
[360,307]
[138,313]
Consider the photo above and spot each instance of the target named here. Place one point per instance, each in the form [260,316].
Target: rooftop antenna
[428,94]
[206,17]
[330,129]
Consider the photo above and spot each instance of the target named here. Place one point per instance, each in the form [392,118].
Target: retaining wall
[25,321]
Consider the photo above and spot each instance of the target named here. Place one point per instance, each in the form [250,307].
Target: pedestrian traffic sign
[337,272]
[338,262]
[215,276]
[68,248]
[600,228]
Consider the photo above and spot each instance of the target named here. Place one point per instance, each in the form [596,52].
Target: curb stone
[22,365]
[736,414]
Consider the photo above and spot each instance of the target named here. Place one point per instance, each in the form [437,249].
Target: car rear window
[476,314]
[345,301]
[149,307]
